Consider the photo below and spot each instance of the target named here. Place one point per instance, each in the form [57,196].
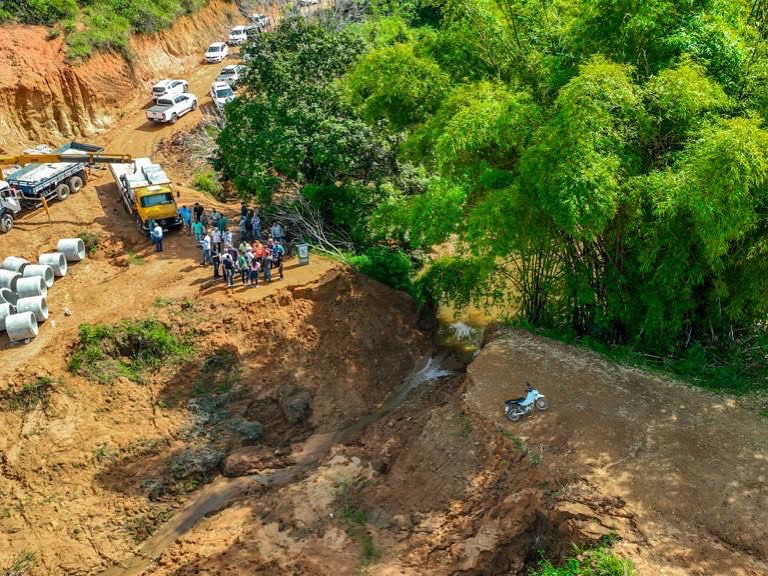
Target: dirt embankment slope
[45,99]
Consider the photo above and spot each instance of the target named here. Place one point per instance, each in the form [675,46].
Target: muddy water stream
[223,491]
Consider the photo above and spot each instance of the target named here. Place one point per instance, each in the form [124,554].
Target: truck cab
[10,206]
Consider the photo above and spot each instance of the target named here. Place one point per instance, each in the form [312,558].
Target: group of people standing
[250,259]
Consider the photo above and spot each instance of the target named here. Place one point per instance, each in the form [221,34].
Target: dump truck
[147,194]
[43,174]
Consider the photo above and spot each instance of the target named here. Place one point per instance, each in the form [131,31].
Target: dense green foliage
[94,24]
[599,167]
[128,349]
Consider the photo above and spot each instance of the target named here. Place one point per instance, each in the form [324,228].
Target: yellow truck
[147,194]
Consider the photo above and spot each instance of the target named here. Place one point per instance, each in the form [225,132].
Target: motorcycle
[517,407]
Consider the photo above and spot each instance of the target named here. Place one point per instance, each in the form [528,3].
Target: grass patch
[465,426]
[127,349]
[30,396]
[23,563]
[135,259]
[90,240]
[598,562]
[355,520]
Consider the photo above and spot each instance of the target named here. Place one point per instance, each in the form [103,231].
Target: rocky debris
[296,403]
[252,460]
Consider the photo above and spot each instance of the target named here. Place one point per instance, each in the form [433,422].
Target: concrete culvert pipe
[14,264]
[8,296]
[5,311]
[35,304]
[72,248]
[21,326]
[44,271]
[56,260]
[8,279]
[32,286]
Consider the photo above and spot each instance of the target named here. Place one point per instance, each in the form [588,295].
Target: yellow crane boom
[89,157]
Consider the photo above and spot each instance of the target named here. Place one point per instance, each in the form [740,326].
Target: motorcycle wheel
[513,415]
[542,403]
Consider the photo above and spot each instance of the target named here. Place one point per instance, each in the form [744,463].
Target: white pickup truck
[168,88]
[171,109]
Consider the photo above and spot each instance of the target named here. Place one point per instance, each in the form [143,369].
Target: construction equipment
[45,174]
[147,194]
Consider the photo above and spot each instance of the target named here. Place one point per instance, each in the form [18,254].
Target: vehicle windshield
[158,89]
[224,93]
[227,72]
[214,49]
[156,200]
[164,102]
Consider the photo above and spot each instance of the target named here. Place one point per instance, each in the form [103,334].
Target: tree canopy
[599,166]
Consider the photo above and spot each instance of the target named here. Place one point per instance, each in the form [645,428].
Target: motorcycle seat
[516,400]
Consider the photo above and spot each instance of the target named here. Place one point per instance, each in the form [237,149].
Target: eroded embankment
[45,99]
[95,468]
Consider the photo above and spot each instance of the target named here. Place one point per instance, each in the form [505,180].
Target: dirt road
[690,467]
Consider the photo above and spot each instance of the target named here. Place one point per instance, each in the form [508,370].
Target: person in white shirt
[157,237]
[217,239]
[205,244]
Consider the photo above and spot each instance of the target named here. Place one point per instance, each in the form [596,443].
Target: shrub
[90,240]
[207,182]
[391,267]
[127,349]
[597,562]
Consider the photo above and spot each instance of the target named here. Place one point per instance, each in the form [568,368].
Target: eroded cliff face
[45,99]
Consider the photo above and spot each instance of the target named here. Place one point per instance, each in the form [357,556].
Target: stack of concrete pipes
[24,288]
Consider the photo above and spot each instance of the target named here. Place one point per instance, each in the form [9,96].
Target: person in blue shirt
[186,218]
[277,256]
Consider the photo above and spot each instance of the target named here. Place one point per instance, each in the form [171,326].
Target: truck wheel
[194,105]
[6,222]
[62,191]
[174,117]
[75,183]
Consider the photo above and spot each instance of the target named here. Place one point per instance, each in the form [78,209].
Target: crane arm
[90,158]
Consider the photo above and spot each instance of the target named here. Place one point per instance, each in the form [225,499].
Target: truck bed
[34,178]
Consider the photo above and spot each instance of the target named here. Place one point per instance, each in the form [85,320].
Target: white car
[172,108]
[231,74]
[221,93]
[259,21]
[237,36]
[216,52]
[166,88]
